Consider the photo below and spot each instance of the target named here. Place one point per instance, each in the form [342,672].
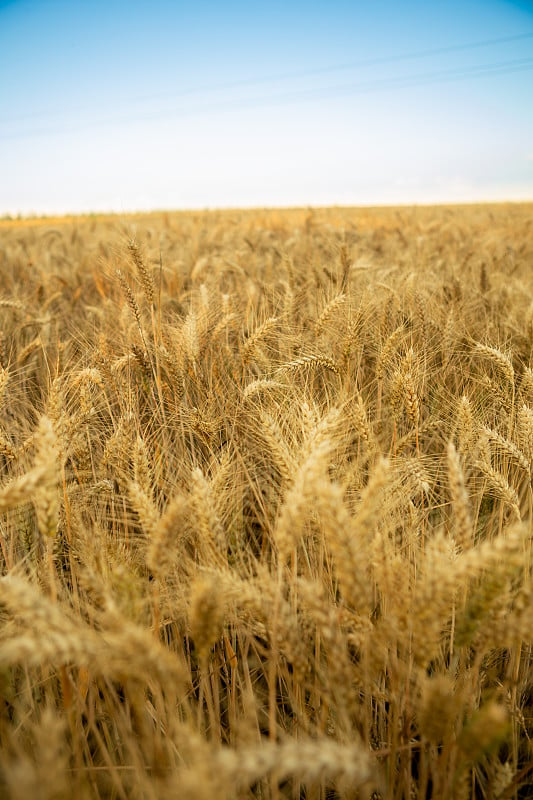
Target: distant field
[266,504]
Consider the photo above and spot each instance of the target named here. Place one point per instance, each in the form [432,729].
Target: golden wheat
[266,516]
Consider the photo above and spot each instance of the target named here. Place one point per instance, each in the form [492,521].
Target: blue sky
[117,106]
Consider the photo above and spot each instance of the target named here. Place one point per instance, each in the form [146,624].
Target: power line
[302,95]
[251,82]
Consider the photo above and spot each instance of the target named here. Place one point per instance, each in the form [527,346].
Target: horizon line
[36,215]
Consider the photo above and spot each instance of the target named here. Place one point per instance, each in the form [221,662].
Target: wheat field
[266,505]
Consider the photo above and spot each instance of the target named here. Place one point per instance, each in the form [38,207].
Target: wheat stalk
[463,529]
[145,275]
